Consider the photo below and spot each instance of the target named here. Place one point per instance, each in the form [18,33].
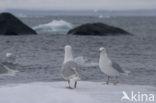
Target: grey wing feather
[69,69]
[117,67]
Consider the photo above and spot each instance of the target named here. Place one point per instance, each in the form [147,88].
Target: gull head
[68,48]
[68,53]
[102,50]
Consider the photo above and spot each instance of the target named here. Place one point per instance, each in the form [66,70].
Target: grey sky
[78,4]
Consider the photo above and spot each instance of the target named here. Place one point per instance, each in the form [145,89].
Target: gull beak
[100,51]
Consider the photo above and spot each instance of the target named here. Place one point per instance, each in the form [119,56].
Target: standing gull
[111,69]
[10,58]
[69,67]
[4,69]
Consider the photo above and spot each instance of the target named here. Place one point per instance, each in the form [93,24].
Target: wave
[54,26]
[101,16]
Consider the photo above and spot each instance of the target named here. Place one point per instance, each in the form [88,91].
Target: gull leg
[107,82]
[75,85]
[69,85]
[116,80]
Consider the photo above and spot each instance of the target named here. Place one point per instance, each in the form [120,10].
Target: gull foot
[69,87]
[116,82]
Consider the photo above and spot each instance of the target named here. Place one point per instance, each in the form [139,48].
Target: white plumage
[108,67]
[69,67]
[105,65]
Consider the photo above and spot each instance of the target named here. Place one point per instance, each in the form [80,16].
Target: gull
[69,67]
[6,71]
[10,58]
[4,65]
[111,69]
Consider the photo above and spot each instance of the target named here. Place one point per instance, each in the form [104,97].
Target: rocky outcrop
[11,25]
[97,29]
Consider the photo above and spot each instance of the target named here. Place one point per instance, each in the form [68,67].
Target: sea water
[39,57]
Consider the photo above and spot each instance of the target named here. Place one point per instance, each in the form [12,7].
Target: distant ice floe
[80,60]
[54,26]
[84,62]
[21,15]
[101,16]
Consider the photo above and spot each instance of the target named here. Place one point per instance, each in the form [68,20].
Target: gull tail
[75,77]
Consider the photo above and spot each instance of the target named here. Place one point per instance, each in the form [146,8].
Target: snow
[55,92]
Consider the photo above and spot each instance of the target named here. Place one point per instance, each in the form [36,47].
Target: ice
[100,16]
[80,60]
[55,92]
[54,26]
[21,15]
[83,61]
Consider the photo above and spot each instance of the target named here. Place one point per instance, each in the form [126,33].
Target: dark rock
[97,29]
[11,25]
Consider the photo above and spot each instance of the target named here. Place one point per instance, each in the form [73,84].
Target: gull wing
[117,67]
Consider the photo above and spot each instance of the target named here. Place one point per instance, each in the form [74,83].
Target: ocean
[40,57]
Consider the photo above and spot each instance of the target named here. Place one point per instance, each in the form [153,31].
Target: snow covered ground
[55,92]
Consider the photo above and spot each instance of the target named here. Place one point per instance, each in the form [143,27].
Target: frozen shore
[55,92]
